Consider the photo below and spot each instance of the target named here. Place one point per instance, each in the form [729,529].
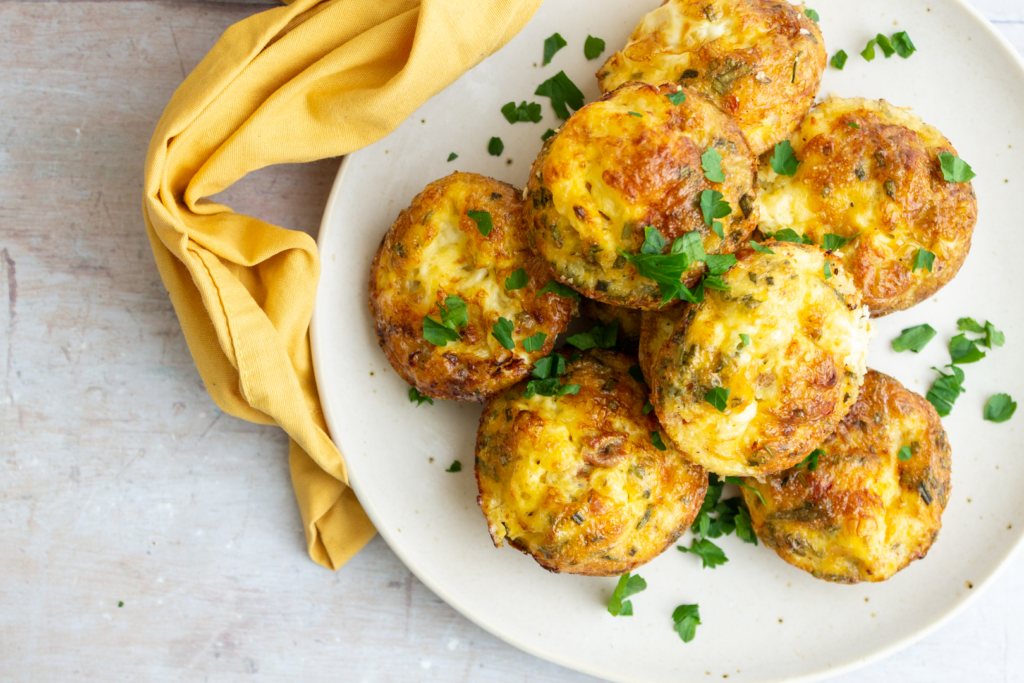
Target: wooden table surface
[123,483]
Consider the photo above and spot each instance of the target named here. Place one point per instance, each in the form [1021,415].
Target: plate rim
[333,424]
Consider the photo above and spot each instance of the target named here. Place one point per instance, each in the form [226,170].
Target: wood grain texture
[123,482]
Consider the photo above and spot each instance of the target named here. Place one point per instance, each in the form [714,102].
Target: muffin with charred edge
[455,291]
[754,377]
[583,481]
[606,314]
[870,174]
[640,156]
[760,61]
[871,502]
[655,328]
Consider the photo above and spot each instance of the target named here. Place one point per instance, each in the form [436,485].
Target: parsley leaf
[744,341]
[548,133]
[658,443]
[946,389]
[557,288]
[868,52]
[686,619]
[677,97]
[744,526]
[495,147]
[788,235]
[550,366]
[456,467]
[562,92]
[711,162]
[637,373]
[502,331]
[887,48]
[593,47]
[524,112]
[453,156]
[517,280]
[760,248]
[552,44]
[811,461]
[853,124]
[923,259]
[963,350]
[969,325]
[832,241]
[598,336]
[648,408]
[453,316]
[812,15]
[628,586]
[437,334]
[741,483]
[783,161]
[914,338]
[1000,408]
[654,243]
[904,453]
[712,207]
[993,337]
[718,397]
[483,221]
[568,389]
[903,45]
[535,343]
[827,270]
[710,554]
[955,169]
[839,59]
[419,399]
[636,114]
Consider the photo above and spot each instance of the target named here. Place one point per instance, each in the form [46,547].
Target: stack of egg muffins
[728,341]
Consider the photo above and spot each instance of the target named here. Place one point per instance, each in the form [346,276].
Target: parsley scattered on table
[1000,408]
[562,92]
[710,554]
[453,156]
[963,350]
[946,389]
[628,586]
[914,338]
[903,45]
[456,467]
[524,112]
[548,133]
[593,47]
[839,59]
[552,44]
[495,147]
[686,619]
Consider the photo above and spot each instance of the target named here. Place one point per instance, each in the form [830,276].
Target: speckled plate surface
[762,619]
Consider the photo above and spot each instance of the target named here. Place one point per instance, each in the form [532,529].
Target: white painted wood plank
[122,481]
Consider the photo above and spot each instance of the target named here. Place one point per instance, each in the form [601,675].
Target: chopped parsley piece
[598,336]
[636,114]
[552,44]
[593,47]
[812,15]
[677,97]
[564,291]
[637,373]
[744,340]
[760,248]
[628,585]
[718,398]
[731,515]
[744,526]
[524,112]
[993,337]
[710,554]
[516,280]
[654,243]
[686,619]
[502,331]
[658,443]
[495,147]
[946,389]
[648,408]
[419,399]
[453,156]
[955,169]
[562,92]
[120,603]
[969,325]
[667,269]
[832,241]
[546,382]
[853,124]
[903,45]
[739,482]
[923,259]
[783,161]
[839,59]
[711,162]
[789,235]
[535,343]
[904,453]
[868,52]
[827,269]
[568,389]
[453,316]
[712,207]
[914,338]
[887,48]
[551,366]
[1000,408]
[456,467]
[963,350]
[483,221]
[548,133]
[811,461]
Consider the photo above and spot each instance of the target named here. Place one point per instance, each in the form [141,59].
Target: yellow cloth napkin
[301,82]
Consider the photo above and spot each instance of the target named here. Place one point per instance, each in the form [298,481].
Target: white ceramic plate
[762,619]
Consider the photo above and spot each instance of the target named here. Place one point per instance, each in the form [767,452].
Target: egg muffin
[606,314]
[760,61]
[865,512]
[870,173]
[435,267]
[753,378]
[584,482]
[655,328]
[627,161]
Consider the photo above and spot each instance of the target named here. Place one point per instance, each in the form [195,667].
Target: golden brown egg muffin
[435,250]
[870,172]
[760,61]
[606,314]
[576,480]
[864,513]
[655,329]
[629,160]
[781,352]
